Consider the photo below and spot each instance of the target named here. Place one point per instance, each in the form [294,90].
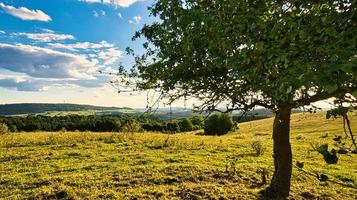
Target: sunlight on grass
[159,166]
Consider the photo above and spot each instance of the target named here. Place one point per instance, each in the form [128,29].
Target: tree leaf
[354,93]
[331,88]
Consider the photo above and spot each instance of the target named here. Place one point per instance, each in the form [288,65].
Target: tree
[218,124]
[173,127]
[186,125]
[275,54]
[198,122]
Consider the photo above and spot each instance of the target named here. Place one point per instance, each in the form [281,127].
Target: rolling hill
[40,108]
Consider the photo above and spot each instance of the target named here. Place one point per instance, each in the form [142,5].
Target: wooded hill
[36,108]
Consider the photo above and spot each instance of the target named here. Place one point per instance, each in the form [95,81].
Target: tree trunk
[280,183]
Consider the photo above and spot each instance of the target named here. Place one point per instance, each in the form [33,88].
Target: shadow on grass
[267,194]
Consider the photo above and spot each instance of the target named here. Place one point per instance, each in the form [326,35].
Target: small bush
[3,129]
[218,124]
[257,146]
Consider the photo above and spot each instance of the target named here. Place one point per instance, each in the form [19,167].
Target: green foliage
[250,53]
[173,127]
[248,118]
[98,123]
[339,111]
[198,121]
[154,126]
[3,129]
[218,124]
[94,123]
[13,128]
[181,125]
[185,125]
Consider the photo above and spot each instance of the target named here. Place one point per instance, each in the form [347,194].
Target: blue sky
[51,51]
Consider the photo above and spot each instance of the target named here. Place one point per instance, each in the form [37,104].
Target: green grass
[88,165]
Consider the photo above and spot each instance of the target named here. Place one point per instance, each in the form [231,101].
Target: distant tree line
[56,123]
[100,123]
[27,108]
[217,124]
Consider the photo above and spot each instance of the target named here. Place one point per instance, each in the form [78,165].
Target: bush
[186,125]
[3,129]
[257,146]
[218,124]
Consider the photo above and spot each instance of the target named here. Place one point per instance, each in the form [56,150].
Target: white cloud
[22,85]
[116,3]
[100,13]
[120,15]
[109,56]
[81,45]
[25,13]
[45,63]
[103,52]
[46,37]
[2,32]
[135,20]
[47,30]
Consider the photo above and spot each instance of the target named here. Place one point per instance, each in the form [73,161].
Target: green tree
[186,125]
[198,122]
[173,127]
[218,124]
[276,54]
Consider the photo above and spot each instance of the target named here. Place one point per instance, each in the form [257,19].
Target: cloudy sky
[51,51]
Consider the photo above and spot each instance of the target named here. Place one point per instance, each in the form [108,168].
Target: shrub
[218,124]
[257,146]
[3,129]
[186,125]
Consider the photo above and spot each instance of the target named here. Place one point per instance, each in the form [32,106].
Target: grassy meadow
[73,165]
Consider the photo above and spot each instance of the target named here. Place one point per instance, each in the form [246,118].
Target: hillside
[37,108]
[71,165]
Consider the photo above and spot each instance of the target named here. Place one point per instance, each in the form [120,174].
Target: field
[73,165]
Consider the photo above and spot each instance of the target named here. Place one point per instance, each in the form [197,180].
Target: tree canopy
[251,53]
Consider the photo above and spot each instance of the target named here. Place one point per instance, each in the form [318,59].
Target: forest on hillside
[31,108]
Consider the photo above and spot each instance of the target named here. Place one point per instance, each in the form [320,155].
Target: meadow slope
[72,165]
